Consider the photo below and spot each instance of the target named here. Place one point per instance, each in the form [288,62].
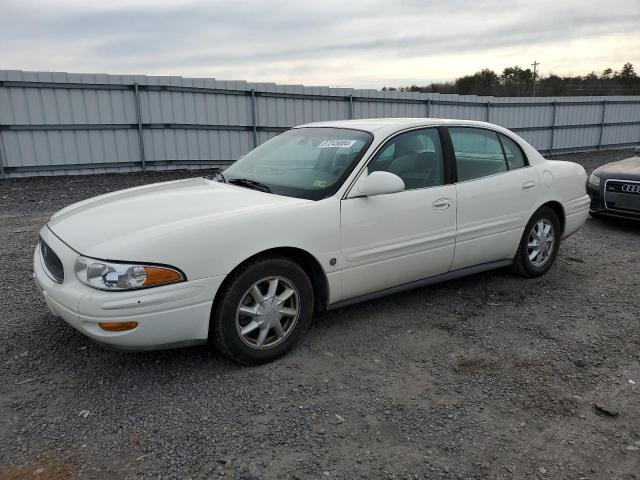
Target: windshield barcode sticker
[336,143]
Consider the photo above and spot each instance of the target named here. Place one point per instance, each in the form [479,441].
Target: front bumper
[172,315]
[598,206]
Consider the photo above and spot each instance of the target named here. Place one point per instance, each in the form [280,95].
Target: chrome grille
[51,262]
[627,188]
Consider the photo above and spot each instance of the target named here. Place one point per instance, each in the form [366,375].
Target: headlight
[594,180]
[124,276]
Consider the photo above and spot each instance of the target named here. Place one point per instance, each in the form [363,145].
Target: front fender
[209,248]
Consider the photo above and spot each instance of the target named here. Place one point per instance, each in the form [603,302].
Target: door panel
[389,240]
[492,212]
[494,198]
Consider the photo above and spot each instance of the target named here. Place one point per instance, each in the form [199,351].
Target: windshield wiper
[245,182]
[217,176]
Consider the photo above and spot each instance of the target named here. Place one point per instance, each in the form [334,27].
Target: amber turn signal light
[160,276]
[118,326]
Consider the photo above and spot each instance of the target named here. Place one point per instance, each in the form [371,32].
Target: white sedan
[323,215]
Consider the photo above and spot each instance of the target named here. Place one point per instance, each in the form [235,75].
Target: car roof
[390,125]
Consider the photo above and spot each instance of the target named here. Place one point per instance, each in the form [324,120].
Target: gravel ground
[491,376]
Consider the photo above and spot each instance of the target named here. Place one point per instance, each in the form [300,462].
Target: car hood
[153,212]
[627,169]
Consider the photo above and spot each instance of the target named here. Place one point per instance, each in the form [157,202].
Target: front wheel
[263,310]
[539,244]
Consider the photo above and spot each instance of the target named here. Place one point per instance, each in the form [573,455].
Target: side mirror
[380,183]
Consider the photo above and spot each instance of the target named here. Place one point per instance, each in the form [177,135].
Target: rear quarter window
[515,157]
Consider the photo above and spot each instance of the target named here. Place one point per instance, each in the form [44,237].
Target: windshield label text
[336,143]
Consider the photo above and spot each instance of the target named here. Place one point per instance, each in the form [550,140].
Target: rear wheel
[263,310]
[539,245]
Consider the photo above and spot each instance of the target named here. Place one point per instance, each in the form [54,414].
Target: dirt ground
[491,376]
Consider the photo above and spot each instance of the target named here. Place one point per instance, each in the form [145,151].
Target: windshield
[307,163]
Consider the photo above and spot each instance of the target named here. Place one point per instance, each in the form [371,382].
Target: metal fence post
[351,107]
[602,124]
[553,127]
[1,158]
[254,116]
[143,158]
[488,111]
[428,103]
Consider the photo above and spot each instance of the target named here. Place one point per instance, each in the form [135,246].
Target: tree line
[519,82]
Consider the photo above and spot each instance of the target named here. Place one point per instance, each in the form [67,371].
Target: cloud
[356,43]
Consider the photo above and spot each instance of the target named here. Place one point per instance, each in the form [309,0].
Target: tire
[243,309]
[522,263]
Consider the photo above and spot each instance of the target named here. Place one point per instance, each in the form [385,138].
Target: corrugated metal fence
[59,123]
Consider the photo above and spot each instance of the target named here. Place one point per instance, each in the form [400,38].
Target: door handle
[442,204]
[528,185]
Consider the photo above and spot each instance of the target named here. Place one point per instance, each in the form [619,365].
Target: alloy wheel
[540,242]
[268,312]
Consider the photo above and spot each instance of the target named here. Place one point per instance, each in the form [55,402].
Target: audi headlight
[594,180]
[124,276]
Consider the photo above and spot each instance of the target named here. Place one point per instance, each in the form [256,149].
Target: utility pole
[535,72]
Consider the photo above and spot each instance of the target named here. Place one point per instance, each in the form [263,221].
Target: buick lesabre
[320,216]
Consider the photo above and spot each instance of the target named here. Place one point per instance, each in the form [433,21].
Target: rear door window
[478,153]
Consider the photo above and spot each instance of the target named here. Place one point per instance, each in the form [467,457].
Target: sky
[347,43]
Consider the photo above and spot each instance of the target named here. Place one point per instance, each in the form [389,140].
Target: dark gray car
[614,189]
